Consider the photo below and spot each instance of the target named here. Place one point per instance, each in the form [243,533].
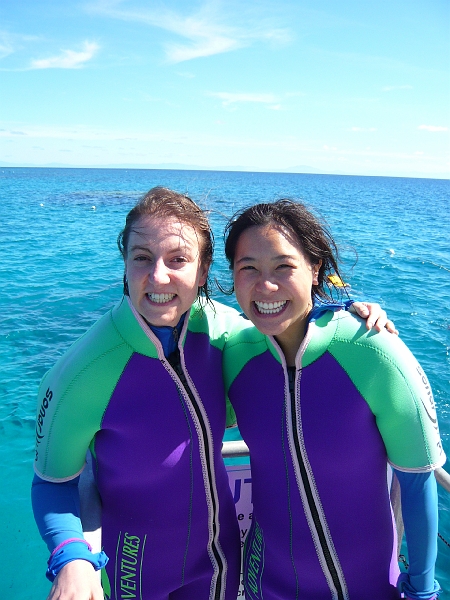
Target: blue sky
[334,86]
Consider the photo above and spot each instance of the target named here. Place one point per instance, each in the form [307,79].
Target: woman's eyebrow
[273,258]
[137,247]
[244,259]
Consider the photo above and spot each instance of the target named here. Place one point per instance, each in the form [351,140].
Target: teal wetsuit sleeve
[420,517]
[56,508]
[395,387]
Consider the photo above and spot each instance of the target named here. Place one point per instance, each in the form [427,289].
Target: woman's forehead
[272,231]
[157,232]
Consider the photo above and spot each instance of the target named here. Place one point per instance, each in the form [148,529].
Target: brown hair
[161,202]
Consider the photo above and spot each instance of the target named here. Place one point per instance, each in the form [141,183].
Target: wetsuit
[320,437]
[155,431]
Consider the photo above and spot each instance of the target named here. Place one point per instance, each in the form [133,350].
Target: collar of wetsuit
[168,336]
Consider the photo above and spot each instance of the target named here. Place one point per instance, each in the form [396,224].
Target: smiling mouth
[160,298]
[270,308]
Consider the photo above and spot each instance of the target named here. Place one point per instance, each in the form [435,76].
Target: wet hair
[163,203]
[296,221]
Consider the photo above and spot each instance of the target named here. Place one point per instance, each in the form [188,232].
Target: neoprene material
[168,519]
[322,524]
[420,518]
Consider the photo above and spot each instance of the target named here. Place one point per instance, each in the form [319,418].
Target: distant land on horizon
[300,169]
[170,166]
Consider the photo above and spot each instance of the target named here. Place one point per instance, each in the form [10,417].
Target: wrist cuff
[410,593]
[348,303]
[73,550]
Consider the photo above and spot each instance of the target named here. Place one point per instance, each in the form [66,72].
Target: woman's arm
[420,518]
[72,565]
[375,315]
[56,508]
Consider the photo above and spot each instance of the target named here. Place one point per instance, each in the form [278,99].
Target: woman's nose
[159,273]
[266,284]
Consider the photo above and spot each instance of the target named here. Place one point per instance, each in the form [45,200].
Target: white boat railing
[235,449]
[239,449]
[443,478]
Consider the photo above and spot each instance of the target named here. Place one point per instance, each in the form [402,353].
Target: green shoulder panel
[131,327]
[241,348]
[323,332]
[396,389]
[216,320]
[73,396]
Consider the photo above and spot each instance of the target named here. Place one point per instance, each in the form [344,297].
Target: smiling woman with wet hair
[143,389]
[324,407]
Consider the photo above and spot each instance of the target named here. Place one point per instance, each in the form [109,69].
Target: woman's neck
[290,342]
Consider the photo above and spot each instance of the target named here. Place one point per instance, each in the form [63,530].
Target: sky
[351,87]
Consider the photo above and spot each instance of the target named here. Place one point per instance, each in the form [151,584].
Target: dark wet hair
[163,203]
[302,226]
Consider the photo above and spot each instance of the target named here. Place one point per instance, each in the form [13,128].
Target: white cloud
[205,31]
[12,42]
[6,44]
[205,45]
[433,128]
[68,59]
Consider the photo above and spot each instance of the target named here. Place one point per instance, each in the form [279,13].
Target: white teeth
[270,308]
[161,298]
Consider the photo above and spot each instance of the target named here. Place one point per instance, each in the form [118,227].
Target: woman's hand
[375,315]
[77,581]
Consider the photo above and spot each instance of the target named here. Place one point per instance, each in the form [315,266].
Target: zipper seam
[331,567]
[206,447]
[338,590]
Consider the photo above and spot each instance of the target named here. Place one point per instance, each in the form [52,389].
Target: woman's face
[273,281]
[164,269]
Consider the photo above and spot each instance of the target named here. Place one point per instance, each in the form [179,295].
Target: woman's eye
[281,267]
[247,268]
[141,258]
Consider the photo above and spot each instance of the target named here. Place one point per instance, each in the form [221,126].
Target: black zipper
[308,491]
[175,362]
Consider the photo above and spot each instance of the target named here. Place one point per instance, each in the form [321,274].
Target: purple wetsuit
[155,431]
[320,439]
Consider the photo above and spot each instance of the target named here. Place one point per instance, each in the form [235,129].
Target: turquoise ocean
[60,270]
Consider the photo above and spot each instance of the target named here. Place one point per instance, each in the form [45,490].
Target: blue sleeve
[420,517]
[56,508]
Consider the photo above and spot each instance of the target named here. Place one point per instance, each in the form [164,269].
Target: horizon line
[228,169]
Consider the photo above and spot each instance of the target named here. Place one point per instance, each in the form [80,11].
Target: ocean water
[61,270]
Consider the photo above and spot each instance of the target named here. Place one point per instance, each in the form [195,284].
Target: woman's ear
[203,274]
[316,269]
[126,291]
